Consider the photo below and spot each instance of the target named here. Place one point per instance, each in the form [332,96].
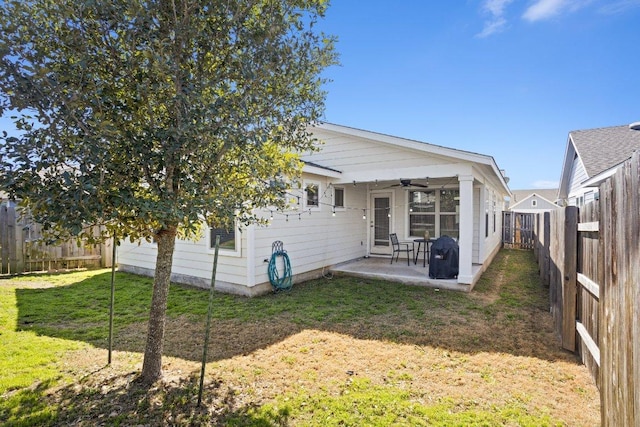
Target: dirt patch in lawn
[471,353]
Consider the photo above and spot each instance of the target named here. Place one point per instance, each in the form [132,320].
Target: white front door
[380,223]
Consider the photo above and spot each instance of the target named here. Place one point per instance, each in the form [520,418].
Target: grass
[345,351]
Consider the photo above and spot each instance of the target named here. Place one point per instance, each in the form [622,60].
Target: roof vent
[634,126]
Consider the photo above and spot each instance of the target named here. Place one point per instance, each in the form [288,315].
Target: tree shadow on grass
[107,398]
[507,313]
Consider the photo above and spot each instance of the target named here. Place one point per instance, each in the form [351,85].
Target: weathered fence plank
[607,303]
[620,344]
[23,248]
[588,289]
[591,345]
[589,285]
[4,239]
[518,230]
[568,278]
[589,226]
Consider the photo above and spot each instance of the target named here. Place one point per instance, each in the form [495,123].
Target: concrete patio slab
[412,274]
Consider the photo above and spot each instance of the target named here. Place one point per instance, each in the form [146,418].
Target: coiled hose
[284,282]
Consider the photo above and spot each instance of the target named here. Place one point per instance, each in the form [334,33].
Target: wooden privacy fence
[590,259]
[518,229]
[23,248]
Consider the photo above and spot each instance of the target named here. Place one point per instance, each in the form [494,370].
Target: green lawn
[47,321]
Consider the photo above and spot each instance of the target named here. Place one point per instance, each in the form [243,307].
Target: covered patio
[400,272]
[414,190]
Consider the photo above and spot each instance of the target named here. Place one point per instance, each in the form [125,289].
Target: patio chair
[400,247]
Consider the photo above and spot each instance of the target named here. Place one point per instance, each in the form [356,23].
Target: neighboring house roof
[600,149]
[596,154]
[550,194]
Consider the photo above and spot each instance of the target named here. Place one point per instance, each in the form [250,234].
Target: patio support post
[465,241]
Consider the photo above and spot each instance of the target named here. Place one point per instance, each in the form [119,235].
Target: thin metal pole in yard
[113,295]
[209,311]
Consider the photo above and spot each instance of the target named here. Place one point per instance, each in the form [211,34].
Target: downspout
[251,255]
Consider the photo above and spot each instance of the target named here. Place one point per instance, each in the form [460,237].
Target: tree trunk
[152,365]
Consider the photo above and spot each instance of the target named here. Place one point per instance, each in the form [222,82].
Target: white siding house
[533,201]
[368,185]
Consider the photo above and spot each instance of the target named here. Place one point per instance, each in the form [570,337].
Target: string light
[300,209]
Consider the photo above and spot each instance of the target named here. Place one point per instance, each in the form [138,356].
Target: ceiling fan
[407,183]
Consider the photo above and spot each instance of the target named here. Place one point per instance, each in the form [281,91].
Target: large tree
[151,117]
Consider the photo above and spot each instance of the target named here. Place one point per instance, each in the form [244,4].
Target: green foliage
[147,115]
[151,116]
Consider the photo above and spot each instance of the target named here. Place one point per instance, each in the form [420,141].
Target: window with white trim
[229,239]
[495,210]
[534,203]
[311,195]
[437,212]
[338,198]
[450,213]
[422,213]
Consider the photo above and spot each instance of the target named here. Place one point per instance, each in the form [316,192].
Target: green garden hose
[284,282]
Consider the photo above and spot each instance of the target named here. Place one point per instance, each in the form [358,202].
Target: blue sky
[506,78]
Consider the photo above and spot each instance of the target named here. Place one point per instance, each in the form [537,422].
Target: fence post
[569,278]
[11,235]
[546,266]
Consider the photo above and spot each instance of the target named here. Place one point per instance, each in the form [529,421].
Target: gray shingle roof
[603,148]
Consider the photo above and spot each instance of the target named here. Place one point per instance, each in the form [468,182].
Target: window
[495,209]
[227,239]
[437,212]
[534,203]
[422,213]
[311,195]
[338,197]
[486,223]
[450,213]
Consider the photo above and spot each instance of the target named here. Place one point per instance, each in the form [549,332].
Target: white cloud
[492,27]
[619,6]
[545,9]
[496,7]
[546,184]
[497,22]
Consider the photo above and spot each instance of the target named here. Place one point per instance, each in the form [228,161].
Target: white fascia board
[601,177]
[565,173]
[484,179]
[315,170]
[433,171]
